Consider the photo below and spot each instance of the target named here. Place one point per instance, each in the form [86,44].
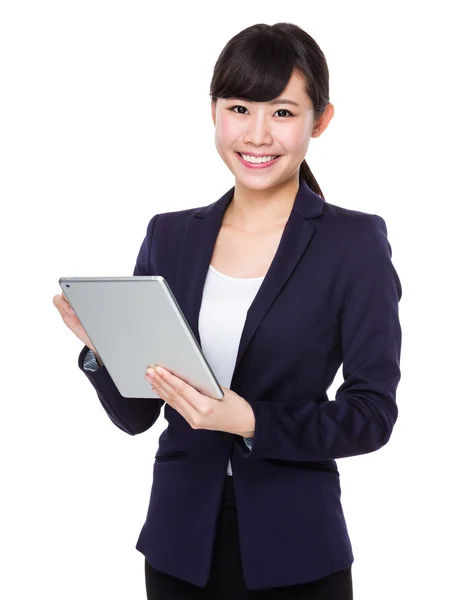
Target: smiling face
[282,127]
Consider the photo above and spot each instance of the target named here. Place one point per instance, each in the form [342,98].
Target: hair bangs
[258,70]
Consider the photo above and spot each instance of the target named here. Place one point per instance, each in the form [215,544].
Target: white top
[225,302]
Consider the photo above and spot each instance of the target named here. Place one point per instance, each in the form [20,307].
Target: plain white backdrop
[105,120]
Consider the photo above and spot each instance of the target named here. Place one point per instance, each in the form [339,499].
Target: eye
[238,106]
[244,107]
[286,111]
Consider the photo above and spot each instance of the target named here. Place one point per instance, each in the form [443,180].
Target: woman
[295,286]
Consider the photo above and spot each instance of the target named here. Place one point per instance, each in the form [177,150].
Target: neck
[251,208]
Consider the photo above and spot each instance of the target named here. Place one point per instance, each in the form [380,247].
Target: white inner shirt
[225,302]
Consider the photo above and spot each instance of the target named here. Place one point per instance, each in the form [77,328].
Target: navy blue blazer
[329,297]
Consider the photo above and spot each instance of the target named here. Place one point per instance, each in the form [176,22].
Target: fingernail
[70,310]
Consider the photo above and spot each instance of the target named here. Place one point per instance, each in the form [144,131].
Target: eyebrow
[276,101]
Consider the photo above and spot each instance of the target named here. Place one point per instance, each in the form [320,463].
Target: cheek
[226,131]
[293,140]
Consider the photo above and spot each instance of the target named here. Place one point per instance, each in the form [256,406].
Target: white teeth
[258,159]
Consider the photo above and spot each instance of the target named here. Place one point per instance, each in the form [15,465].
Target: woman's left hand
[232,413]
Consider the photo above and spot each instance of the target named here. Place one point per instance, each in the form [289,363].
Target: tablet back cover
[135,322]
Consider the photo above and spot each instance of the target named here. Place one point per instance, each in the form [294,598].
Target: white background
[105,119]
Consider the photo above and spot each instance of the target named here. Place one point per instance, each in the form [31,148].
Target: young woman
[245,501]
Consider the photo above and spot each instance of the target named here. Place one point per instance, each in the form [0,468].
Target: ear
[323,121]
[213,103]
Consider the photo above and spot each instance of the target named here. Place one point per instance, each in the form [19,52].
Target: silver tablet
[134,323]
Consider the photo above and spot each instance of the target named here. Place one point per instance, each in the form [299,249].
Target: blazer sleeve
[361,418]
[132,415]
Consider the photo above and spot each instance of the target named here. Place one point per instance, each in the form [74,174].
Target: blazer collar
[197,247]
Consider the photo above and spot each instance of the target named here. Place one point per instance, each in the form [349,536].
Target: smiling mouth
[275,156]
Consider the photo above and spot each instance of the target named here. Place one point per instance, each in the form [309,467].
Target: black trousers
[226,579]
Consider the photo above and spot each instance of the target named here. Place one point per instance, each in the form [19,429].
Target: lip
[256,155]
[258,165]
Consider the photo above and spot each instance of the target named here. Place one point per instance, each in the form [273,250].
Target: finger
[62,305]
[158,390]
[166,388]
[68,302]
[185,399]
[170,397]
[173,384]
[59,304]
[178,394]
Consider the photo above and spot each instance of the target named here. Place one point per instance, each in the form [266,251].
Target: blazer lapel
[197,247]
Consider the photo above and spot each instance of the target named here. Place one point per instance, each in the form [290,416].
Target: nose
[258,131]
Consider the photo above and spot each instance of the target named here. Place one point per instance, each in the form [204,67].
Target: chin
[257,185]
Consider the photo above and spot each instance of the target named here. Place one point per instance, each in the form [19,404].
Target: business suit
[330,295]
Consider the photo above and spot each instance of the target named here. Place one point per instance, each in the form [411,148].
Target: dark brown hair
[257,63]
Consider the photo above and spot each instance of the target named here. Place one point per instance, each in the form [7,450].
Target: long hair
[257,63]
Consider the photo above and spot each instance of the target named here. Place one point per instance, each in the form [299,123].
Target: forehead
[296,86]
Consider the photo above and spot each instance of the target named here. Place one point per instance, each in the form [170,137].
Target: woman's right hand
[71,320]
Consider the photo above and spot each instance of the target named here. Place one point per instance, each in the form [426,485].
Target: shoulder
[350,220]
[352,230]
[360,240]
